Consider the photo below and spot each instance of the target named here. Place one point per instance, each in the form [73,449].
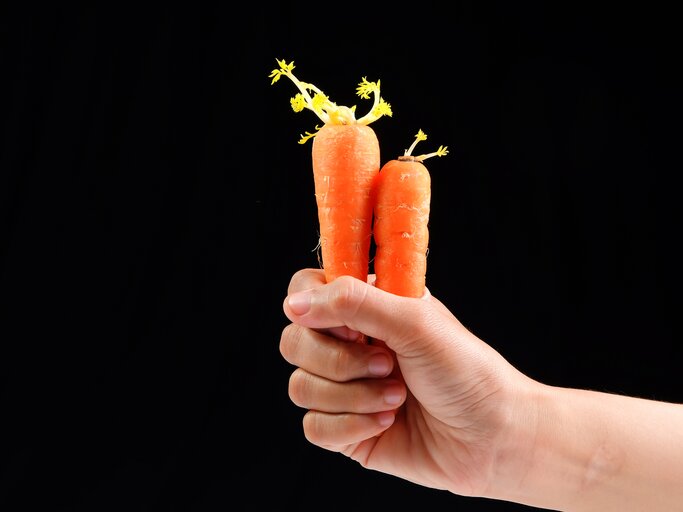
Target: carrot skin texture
[346,162]
[402,207]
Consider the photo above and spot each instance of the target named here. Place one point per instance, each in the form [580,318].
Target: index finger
[306,279]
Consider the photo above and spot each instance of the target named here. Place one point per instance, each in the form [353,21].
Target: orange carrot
[346,160]
[401,231]
[345,163]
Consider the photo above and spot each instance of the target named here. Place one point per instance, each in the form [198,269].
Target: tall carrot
[401,232]
[345,163]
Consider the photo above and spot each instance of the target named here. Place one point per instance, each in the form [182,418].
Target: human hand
[426,401]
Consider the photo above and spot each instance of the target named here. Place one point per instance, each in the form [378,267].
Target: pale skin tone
[428,401]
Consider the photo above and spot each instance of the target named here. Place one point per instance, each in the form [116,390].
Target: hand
[426,400]
[429,402]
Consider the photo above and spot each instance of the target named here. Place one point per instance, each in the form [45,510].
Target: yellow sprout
[311,98]
[298,103]
[308,135]
[420,136]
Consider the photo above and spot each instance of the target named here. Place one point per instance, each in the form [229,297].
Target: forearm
[602,452]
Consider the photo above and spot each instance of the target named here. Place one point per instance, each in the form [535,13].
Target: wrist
[559,451]
[514,460]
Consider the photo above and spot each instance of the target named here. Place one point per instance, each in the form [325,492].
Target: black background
[154,203]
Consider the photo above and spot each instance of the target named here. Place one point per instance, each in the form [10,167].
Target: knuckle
[313,429]
[347,295]
[298,388]
[340,365]
[304,279]
[295,283]
[290,342]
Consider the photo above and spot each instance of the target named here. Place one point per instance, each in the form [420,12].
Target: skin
[429,402]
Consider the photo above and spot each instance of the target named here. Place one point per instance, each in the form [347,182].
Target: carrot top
[312,98]
[407,155]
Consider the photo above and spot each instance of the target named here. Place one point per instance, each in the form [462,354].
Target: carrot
[345,163]
[401,217]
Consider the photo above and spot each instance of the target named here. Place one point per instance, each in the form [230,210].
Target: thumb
[361,307]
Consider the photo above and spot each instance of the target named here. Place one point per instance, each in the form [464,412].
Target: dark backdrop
[154,203]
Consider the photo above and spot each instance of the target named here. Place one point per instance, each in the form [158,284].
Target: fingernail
[386,418]
[300,302]
[379,365]
[393,395]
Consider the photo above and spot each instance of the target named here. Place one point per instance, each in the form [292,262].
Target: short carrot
[401,218]
[345,163]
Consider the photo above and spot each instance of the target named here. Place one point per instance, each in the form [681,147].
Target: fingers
[310,391]
[337,431]
[311,278]
[348,388]
[306,279]
[335,376]
[333,358]
[361,307]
